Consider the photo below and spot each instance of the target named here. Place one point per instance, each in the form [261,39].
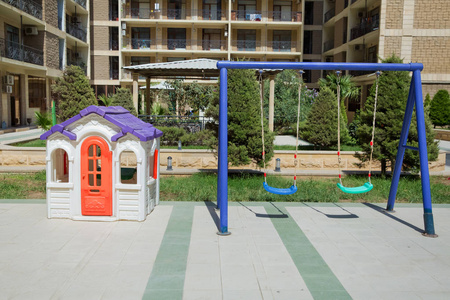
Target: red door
[96,179]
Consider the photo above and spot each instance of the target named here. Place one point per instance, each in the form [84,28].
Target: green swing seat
[356,190]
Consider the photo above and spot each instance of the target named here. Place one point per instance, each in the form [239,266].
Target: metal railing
[278,16]
[214,45]
[281,46]
[139,43]
[208,14]
[190,123]
[246,15]
[29,6]
[141,13]
[82,3]
[20,52]
[328,45]
[365,27]
[76,30]
[246,45]
[328,15]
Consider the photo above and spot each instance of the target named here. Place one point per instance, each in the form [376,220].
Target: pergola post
[135,91]
[148,102]
[271,101]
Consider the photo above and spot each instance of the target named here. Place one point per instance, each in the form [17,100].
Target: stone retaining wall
[442,134]
[203,159]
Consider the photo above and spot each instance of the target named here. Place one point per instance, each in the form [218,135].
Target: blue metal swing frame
[415,98]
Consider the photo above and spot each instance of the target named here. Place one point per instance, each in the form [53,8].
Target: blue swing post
[415,96]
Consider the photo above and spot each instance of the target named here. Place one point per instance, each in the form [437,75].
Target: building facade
[371,30]
[37,39]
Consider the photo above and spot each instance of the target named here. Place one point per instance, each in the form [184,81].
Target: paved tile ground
[276,251]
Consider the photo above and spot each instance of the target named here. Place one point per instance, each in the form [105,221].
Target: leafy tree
[286,99]
[43,120]
[198,96]
[392,97]
[177,96]
[106,100]
[322,126]
[427,101]
[73,92]
[124,98]
[244,119]
[440,108]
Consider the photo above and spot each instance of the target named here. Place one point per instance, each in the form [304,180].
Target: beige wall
[393,45]
[51,12]
[51,50]
[100,9]
[433,52]
[429,88]
[394,14]
[432,14]
[100,67]
[100,38]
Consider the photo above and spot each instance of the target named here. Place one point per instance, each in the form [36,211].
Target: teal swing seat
[277,191]
[366,187]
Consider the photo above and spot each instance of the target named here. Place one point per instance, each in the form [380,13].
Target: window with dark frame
[36,92]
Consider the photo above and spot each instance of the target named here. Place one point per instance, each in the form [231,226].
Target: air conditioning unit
[8,80]
[359,47]
[8,89]
[31,30]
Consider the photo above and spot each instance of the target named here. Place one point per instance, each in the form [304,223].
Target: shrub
[43,120]
[440,108]
[124,98]
[74,93]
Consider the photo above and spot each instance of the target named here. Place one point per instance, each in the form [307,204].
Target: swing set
[414,99]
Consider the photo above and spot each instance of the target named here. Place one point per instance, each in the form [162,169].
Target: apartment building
[37,39]
[370,30]
[131,32]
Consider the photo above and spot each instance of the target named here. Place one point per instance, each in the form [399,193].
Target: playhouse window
[60,166]
[128,167]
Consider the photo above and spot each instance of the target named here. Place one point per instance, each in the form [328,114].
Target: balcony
[214,45]
[365,27]
[20,52]
[76,30]
[29,6]
[210,15]
[328,15]
[278,16]
[281,46]
[141,13]
[113,74]
[246,15]
[246,45]
[328,45]
[82,3]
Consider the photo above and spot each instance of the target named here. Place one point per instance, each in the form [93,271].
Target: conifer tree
[73,92]
[322,123]
[392,96]
[440,108]
[244,119]
[124,98]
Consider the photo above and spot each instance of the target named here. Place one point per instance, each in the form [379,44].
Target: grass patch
[248,187]
[32,143]
[23,186]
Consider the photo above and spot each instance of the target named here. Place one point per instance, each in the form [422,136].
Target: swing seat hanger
[366,187]
[278,191]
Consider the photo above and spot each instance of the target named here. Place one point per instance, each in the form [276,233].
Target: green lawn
[248,187]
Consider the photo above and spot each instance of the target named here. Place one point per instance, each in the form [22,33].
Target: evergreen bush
[73,92]
[440,108]
[124,98]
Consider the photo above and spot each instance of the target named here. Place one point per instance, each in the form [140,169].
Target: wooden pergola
[199,69]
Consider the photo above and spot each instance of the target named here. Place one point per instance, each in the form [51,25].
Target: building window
[113,38]
[212,9]
[309,13]
[211,39]
[282,10]
[36,92]
[307,42]
[113,10]
[372,54]
[114,67]
[140,38]
[282,40]
[246,40]
[176,38]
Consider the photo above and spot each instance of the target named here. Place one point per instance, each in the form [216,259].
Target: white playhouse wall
[129,201]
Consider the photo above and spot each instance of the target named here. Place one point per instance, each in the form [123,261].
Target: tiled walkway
[276,251]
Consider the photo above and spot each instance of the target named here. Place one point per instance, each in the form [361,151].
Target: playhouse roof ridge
[119,116]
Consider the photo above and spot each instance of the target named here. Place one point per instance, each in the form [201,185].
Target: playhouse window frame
[121,167]
[60,166]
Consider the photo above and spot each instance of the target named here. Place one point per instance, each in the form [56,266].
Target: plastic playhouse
[102,165]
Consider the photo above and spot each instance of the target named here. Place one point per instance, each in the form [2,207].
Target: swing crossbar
[278,191]
[366,187]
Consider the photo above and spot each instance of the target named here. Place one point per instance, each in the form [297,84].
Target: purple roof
[114,114]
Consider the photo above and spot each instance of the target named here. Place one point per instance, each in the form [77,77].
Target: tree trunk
[383,168]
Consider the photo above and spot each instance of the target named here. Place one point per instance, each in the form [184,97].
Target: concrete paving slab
[276,251]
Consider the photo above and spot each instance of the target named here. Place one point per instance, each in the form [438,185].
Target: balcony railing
[29,6]
[82,3]
[20,52]
[281,46]
[214,45]
[246,45]
[140,43]
[278,16]
[328,15]
[141,13]
[76,30]
[246,15]
[364,28]
[328,45]
[113,45]
[208,14]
